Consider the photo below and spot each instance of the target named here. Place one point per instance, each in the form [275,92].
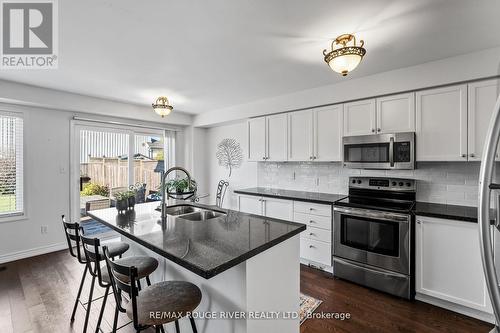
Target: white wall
[47,177]
[246,176]
[482,64]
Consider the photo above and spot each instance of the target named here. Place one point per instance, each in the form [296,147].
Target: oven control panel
[382,183]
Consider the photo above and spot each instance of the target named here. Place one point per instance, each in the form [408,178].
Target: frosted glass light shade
[345,63]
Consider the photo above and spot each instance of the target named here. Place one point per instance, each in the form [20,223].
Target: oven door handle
[386,216]
[391,151]
[368,268]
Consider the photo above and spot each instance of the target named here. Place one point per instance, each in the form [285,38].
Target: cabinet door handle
[378,129]
[311,209]
[419,222]
[464,155]
[312,246]
[472,155]
[311,234]
[373,130]
[311,221]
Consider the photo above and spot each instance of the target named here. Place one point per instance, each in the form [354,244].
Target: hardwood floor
[372,311]
[37,294]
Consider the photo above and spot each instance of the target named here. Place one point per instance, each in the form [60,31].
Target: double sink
[192,213]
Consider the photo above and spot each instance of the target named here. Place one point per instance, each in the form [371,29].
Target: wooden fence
[114,173]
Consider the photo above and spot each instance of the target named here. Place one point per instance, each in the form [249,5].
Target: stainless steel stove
[374,234]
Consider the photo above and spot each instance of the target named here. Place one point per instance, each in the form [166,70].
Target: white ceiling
[206,55]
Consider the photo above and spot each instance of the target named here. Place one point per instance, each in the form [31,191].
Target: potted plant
[180,185]
[130,198]
[121,201]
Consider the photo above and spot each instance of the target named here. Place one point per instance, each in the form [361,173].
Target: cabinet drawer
[324,222]
[317,234]
[317,251]
[312,208]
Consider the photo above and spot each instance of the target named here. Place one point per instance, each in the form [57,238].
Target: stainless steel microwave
[380,151]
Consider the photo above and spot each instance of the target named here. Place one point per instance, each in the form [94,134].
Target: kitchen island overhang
[242,262]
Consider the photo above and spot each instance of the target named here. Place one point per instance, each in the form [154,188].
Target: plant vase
[122,204]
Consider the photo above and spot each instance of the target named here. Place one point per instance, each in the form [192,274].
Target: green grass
[7,203]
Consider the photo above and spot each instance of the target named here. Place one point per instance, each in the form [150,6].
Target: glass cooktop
[403,206]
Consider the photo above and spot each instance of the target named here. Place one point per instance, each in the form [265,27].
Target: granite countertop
[206,248]
[444,211]
[322,198]
[452,212]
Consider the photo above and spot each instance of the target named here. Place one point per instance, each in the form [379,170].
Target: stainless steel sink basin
[202,215]
[181,210]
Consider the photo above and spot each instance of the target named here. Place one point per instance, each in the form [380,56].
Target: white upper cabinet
[359,118]
[267,138]
[396,113]
[327,138]
[277,137]
[482,98]
[300,135]
[441,124]
[257,139]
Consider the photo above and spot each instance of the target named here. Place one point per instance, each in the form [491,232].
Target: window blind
[11,165]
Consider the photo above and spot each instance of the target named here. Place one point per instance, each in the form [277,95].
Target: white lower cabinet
[316,241]
[448,266]
[270,207]
[250,204]
[278,208]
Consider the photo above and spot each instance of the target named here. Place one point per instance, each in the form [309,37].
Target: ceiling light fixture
[162,107]
[347,57]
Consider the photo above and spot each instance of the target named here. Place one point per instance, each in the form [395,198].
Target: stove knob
[393,183]
[408,184]
[354,181]
[400,184]
[359,181]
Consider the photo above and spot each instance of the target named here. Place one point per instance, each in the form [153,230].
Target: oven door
[376,238]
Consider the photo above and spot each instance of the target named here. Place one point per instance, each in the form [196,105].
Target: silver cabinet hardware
[311,234]
[312,246]
[373,130]
[472,155]
[464,155]
[378,129]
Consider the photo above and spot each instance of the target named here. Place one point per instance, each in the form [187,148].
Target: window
[11,165]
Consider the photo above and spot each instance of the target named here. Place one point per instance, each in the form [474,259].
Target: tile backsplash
[453,183]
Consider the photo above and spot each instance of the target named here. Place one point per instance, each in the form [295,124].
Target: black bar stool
[145,266]
[179,298]
[73,233]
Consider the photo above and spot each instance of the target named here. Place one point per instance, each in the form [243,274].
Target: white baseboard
[481,315]
[316,265]
[5,258]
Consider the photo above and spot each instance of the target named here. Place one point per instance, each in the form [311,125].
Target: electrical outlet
[44,229]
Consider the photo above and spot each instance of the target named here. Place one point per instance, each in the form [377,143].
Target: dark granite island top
[316,197]
[207,247]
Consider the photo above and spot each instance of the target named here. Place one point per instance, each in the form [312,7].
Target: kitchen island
[247,266]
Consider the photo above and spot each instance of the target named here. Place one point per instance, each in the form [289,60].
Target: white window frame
[7,110]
